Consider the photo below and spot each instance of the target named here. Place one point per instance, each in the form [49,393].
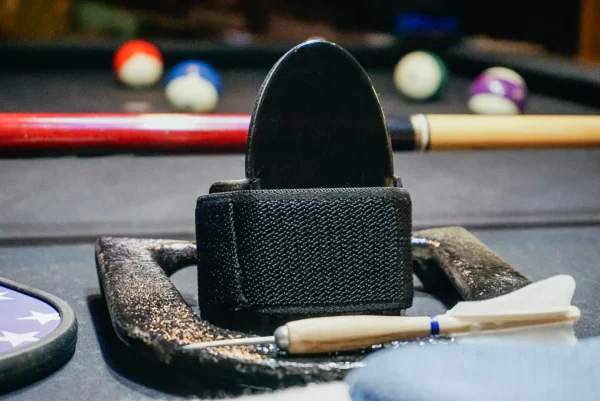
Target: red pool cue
[163,133]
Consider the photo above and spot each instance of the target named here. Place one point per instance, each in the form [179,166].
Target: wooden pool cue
[444,132]
[45,133]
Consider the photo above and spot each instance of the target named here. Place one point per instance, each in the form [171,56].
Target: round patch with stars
[38,333]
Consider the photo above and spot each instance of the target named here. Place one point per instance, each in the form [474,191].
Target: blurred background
[564,28]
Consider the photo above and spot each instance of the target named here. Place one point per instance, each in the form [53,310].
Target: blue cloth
[480,372]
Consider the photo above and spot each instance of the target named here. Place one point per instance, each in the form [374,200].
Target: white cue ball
[420,75]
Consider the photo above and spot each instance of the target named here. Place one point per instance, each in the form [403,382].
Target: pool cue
[446,132]
[44,133]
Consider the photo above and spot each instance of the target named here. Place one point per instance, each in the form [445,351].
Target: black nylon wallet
[320,225]
[303,252]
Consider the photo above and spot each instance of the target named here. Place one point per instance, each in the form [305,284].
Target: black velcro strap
[268,256]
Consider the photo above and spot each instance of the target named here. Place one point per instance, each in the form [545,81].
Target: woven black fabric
[279,253]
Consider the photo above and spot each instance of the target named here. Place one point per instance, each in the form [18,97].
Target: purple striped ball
[498,91]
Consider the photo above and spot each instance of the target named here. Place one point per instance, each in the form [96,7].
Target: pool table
[537,209]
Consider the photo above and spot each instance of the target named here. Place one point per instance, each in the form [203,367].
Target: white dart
[541,311]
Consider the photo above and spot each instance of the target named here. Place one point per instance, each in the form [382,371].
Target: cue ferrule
[422,132]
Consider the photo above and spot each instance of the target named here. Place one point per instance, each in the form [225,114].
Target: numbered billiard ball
[193,86]
[499,91]
[420,75]
[138,64]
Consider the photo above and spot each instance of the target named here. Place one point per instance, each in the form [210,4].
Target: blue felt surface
[481,372]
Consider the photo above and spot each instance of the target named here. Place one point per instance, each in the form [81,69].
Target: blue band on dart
[435,326]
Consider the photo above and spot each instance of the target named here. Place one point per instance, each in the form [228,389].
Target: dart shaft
[344,333]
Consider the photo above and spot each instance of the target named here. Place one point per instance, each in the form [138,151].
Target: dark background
[554,26]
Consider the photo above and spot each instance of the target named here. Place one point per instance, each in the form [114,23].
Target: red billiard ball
[138,64]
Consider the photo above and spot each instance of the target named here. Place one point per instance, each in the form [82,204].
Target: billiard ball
[138,64]
[420,75]
[193,86]
[498,90]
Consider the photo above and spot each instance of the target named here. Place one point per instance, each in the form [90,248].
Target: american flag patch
[24,320]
